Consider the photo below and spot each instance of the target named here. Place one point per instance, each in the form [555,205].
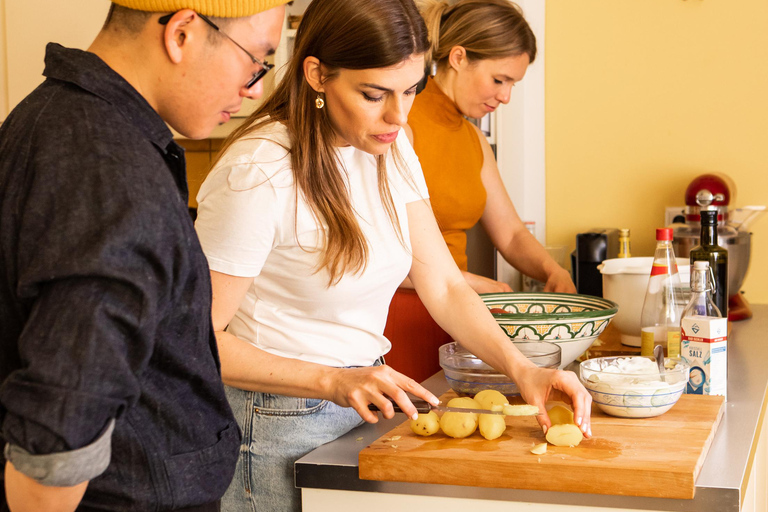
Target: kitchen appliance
[732,233]
[592,248]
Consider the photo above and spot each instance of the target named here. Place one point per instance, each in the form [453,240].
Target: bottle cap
[663,233]
[700,265]
[623,232]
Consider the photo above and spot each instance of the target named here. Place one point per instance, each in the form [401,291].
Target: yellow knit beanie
[217,8]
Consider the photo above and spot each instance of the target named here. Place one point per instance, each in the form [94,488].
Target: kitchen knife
[424,407]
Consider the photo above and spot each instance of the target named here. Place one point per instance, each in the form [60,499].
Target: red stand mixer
[732,234]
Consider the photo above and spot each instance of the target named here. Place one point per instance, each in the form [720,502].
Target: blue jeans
[277,431]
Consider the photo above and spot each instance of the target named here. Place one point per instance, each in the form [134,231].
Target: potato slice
[539,449]
[520,410]
[559,415]
[492,426]
[490,397]
[564,434]
[426,424]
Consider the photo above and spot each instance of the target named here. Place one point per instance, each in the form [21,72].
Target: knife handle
[422,406]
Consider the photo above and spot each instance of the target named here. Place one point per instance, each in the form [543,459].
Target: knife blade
[423,407]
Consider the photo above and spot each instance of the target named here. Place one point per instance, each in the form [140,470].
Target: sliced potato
[564,431]
[465,402]
[520,410]
[539,449]
[564,434]
[560,415]
[490,397]
[426,424]
[492,426]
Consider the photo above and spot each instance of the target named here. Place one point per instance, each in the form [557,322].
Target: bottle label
[673,344]
[646,342]
[659,269]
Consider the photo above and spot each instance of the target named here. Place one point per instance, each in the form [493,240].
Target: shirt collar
[87,71]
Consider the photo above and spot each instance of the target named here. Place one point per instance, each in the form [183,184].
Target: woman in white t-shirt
[314,214]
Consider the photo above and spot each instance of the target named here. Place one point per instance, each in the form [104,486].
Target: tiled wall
[200,154]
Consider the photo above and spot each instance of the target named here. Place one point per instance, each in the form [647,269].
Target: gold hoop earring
[319,102]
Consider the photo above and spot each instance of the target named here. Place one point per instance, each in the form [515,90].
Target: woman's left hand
[540,385]
[560,282]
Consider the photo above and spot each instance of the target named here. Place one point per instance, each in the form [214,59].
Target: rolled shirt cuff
[64,469]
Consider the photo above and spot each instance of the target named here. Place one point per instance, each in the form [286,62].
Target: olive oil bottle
[717,256]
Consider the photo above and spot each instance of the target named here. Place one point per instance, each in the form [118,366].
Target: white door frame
[520,141]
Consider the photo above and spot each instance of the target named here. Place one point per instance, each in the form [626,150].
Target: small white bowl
[633,395]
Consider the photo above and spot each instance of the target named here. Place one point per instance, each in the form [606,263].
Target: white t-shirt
[248,226]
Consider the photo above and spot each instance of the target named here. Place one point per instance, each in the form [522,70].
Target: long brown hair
[341,34]
[486,29]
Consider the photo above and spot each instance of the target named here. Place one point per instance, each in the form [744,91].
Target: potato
[492,425]
[559,415]
[465,402]
[539,449]
[563,432]
[458,424]
[426,424]
[520,410]
[490,397]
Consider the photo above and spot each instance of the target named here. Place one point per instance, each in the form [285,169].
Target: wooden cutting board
[656,457]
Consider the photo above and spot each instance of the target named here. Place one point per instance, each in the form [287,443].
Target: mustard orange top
[449,150]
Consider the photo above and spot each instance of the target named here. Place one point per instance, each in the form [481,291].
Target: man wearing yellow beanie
[110,390]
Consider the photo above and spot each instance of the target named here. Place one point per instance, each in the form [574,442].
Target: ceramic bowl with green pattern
[572,320]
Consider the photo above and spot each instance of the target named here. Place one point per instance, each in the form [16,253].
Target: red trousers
[415,337]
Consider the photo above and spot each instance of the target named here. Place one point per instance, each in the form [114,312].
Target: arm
[247,367]
[461,312]
[509,235]
[24,494]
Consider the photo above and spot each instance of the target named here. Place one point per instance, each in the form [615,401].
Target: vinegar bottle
[717,256]
[660,318]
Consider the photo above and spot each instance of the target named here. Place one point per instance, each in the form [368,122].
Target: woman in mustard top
[480,50]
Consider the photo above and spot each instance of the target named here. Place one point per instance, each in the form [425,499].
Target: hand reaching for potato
[540,385]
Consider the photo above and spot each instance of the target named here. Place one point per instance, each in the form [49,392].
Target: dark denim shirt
[105,300]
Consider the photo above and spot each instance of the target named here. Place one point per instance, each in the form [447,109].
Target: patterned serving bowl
[573,321]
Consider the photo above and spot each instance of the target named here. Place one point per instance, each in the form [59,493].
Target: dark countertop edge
[719,487]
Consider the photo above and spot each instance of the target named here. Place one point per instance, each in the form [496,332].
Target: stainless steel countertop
[718,487]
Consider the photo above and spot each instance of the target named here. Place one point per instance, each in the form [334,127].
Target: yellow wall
[644,95]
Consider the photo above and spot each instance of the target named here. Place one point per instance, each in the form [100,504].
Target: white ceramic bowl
[632,395]
[625,281]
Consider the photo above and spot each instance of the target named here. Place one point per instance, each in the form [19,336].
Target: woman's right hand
[483,284]
[358,387]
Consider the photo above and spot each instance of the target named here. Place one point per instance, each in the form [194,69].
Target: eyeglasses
[265,66]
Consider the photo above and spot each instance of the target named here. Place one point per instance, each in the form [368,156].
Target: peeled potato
[458,424]
[490,397]
[539,449]
[559,414]
[563,432]
[426,424]
[492,426]
[520,410]
[465,402]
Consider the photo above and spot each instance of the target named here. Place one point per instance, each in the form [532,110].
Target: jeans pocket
[268,404]
[202,476]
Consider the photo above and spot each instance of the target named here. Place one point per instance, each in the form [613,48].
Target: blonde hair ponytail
[486,29]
